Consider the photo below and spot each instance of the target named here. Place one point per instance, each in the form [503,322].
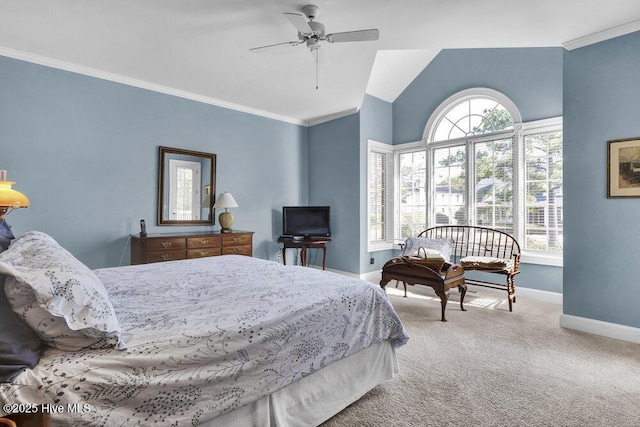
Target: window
[480,165]
[184,198]
[543,189]
[412,181]
[380,196]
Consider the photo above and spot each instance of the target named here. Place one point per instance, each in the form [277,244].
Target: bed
[229,340]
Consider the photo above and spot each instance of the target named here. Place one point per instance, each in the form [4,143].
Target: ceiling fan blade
[299,22]
[354,36]
[263,48]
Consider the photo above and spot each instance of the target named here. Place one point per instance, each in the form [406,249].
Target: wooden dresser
[175,246]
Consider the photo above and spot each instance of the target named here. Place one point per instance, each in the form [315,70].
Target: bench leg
[444,297]
[463,291]
[511,290]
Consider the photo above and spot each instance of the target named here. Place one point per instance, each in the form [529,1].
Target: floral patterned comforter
[206,336]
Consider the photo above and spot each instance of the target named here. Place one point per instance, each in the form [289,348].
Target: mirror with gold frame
[186,187]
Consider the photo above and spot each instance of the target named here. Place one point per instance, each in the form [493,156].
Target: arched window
[478,164]
[476,116]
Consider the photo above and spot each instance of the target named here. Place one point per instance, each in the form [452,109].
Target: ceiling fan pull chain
[317,55]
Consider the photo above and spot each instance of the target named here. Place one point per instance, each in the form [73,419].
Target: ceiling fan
[312,34]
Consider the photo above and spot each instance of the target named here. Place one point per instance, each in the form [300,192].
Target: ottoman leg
[444,297]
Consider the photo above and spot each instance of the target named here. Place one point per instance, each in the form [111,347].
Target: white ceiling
[200,48]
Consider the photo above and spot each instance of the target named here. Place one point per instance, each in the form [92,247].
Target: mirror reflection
[186,187]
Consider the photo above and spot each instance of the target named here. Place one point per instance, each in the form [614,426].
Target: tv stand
[303,244]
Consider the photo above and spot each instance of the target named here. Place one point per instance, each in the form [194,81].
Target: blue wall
[334,180]
[531,78]
[85,152]
[602,236]
[376,123]
[338,177]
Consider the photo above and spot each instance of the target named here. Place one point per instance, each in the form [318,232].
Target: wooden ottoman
[448,276]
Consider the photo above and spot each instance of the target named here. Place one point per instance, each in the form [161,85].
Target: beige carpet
[490,367]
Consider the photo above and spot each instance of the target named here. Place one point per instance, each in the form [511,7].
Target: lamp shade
[10,198]
[225,200]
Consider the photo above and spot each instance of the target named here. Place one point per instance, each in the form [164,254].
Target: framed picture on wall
[623,168]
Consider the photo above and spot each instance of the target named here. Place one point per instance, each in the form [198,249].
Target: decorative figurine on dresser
[174,246]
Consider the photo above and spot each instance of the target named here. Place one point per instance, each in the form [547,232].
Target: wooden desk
[303,245]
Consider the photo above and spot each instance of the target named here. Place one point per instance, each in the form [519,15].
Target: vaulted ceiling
[200,48]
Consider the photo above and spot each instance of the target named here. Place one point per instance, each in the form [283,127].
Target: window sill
[541,259]
[377,247]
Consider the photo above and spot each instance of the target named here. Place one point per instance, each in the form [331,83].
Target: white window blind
[380,196]
[543,192]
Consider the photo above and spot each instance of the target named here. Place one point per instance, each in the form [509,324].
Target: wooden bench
[482,249]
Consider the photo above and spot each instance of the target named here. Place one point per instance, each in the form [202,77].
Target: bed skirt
[316,398]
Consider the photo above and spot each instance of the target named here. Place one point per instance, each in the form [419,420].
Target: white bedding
[207,336]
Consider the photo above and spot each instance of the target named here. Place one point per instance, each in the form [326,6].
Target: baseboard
[598,327]
[528,293]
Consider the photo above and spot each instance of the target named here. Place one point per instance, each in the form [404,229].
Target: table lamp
[226,201]
[10,199]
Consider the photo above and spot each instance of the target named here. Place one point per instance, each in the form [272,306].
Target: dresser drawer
[164,244]
[203,252]
[236,239]
[237,250]
[161,256]
[204,242]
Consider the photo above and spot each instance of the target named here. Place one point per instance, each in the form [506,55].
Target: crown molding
[328,118]
[92,72]
[601,36]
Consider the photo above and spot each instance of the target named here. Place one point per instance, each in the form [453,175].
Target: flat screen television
[306,221]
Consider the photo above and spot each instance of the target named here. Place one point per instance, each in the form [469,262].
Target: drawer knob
[236,250]
[204,241]
[204,253]
[166,257]
[237,239]
[166,244]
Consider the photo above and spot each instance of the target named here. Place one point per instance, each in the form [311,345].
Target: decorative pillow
[58,296]
[19,345]
[443,246]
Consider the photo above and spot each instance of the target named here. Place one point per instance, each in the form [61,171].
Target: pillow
[6,236]
[487,263]
[62,300]
[19,345]
[443,246]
